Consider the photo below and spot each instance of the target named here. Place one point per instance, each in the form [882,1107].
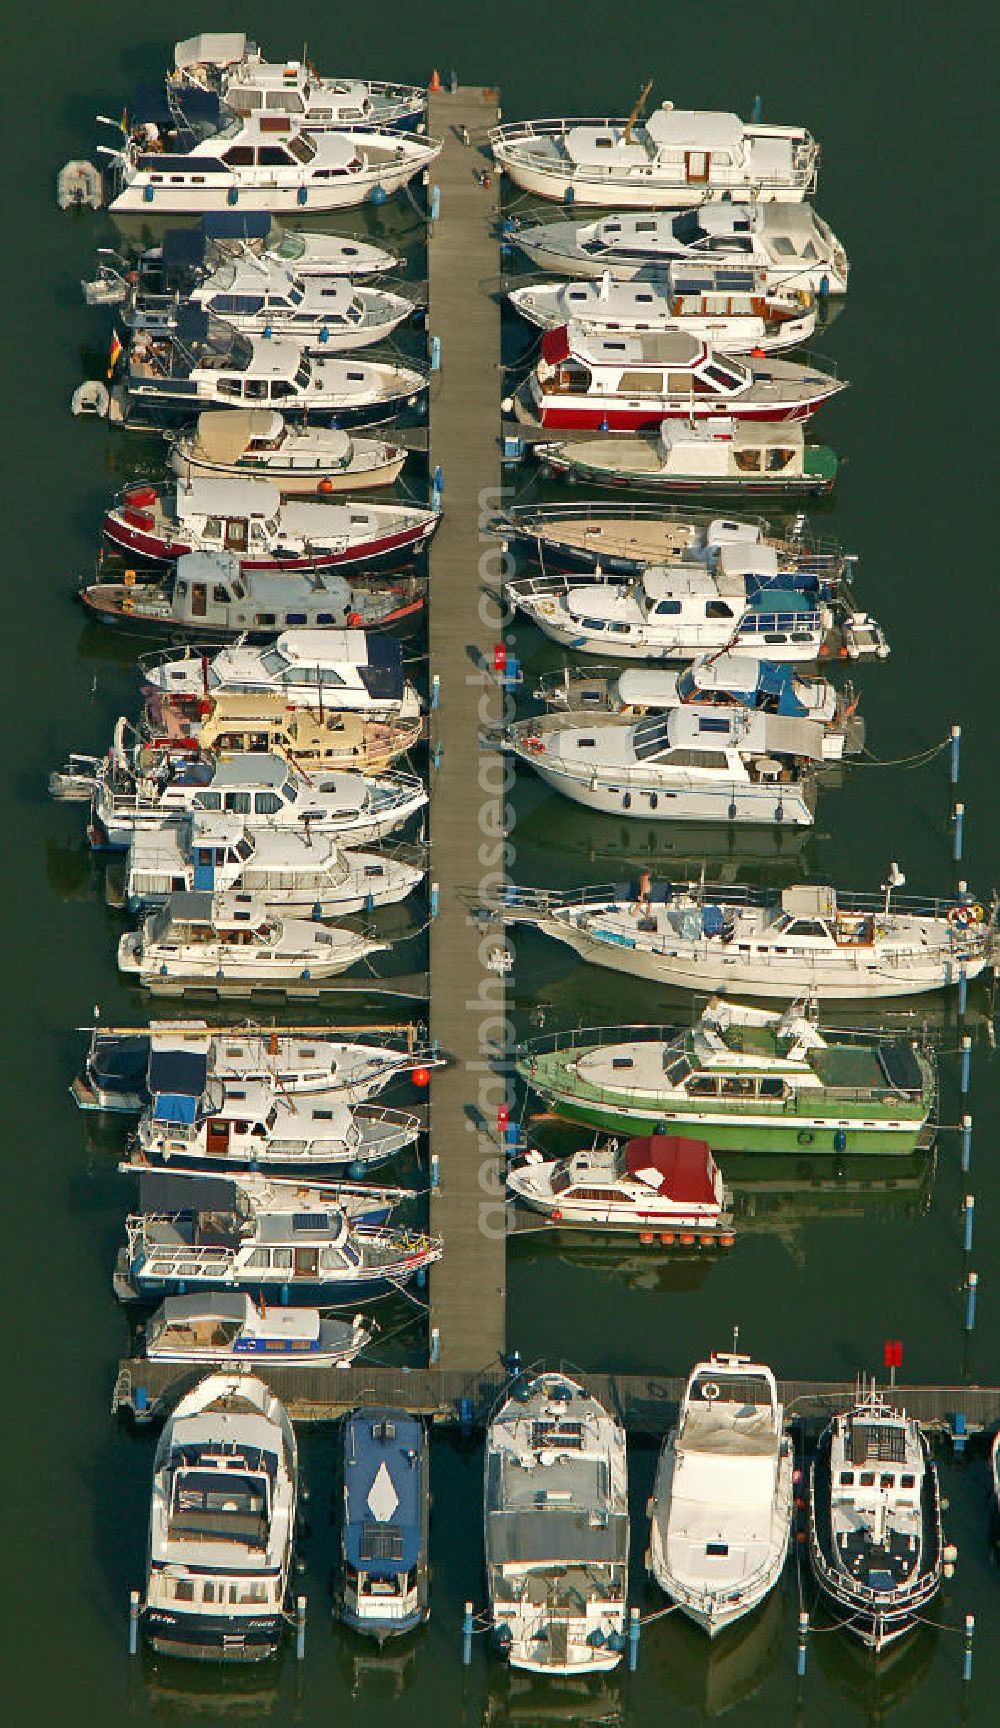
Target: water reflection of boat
[176,1693]
[548,825]
[518,1700]
[780,1195]
[873,1690]
[621,1261]
[713,1677]
[383,1673]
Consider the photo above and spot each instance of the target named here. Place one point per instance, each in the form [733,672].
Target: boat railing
[609,896]
[798,537]
[625,1032]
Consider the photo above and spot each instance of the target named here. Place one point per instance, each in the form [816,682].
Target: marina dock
[468,1287]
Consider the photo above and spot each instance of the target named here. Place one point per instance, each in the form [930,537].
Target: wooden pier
[468,1287]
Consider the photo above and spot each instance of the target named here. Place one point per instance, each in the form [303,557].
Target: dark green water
[903,102]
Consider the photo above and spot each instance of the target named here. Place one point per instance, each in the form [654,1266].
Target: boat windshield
[301,147]
[686,687]
[561,1181]
[303,374]
[289,792]
[678,1071]
[274,662]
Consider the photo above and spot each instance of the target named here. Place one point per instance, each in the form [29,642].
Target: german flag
[116,353]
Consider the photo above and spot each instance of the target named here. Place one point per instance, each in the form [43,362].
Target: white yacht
[231,64]
[345,671]
[305,875]
[692,764]
[234,943]
[261,443]
[726,679]
[662,1182]
[261,298]
[557,1528]
[232,1331]
[262,162]
[720,455]
[721,1513]
[807,940]
[876,1545]
[734,315]
[222,1523]
[786,245]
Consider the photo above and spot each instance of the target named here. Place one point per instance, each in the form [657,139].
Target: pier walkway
[468,1287]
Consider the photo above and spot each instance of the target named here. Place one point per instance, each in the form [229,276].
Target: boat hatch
[899,1064]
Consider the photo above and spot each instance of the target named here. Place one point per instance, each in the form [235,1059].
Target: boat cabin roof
[219,911]
[339,647]
[383,1491]
[207,496]
[673,1165]
[210,568]
[738,558]
[809,900]
[673,128]
[623,348]
[274,1322]
[689,582]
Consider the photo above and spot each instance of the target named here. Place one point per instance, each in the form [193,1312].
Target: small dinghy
[236,721]
[719,456]
[721,1513]
[229,63]
[227,1331]
[233,943]
[876,1545]
[222,1524]
[250,519]
[260,443]
[735,316]
[344,671]
[656,1182]
[79,185]
[383,1587]
[555,1496]
[211,596]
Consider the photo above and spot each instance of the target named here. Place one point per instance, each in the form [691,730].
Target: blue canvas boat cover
[173,1072]
[236,225]
[174,1107]
[384,1491]
[779,681]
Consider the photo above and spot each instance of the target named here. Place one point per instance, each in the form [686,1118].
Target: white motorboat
[737,598]
[714,456]
[224,1330]
[260,442]
[262,792]
[721,1513]
[233,943]
[263,162]
[876,1545]
[229,63]
[734,315]
[786,245]
[346,671]
[264,531]
[557,1528]
[676,156]
[261,298]
[600,381]
[305,875]
[658,1182]
[727,679]
[202,362]
[807,940]
[222,1524]
[692,764]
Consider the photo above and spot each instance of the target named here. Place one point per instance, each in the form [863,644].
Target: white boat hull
[287,196]
[782,805]
[653,192]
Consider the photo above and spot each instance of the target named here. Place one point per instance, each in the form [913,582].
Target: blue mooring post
[435,899]
[435,203]
[963,989]
[966,1062]
[966,1144]
[956,752]
[435,1350]
[467,1634]
[435,1170]
[436,753]
[959,820]
[634,1627]
[300,1628]
[972,1285]
[435,353]
[134,1604]
[801,1653]
[969,1212]
[757,111]
[436,690]
[970,1628]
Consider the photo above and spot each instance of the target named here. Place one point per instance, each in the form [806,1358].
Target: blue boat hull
[304,1292]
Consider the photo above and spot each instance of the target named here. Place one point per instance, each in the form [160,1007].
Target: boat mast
[637,109]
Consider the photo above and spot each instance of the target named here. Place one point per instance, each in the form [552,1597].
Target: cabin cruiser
[334,670]
[384,1583]
[589,380]
[234,943]
[675,156]
[734,315]
[232,1331]
[238,721]
[126,1067]
[259,298]
[716,455]
[239,443]
[256,1125]
[222,1524]
[557,1528]
[744,1079]
[230,64]
[251,519]
[692,764]
[786,245]
[263,792]
[293,1248]
[876,1545]
[806,940]
[210,595]
[202,362]
[727,679]
[737,600]
[721,1514]
[652,1182]
[305,875]
[263,162]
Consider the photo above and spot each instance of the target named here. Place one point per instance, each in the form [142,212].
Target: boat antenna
[638,106]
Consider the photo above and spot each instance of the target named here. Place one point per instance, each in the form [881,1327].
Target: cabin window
[907,1481]
[239,156]
[238,802]
[295,618]
[236,535]
[867,1479]
[721,375]
[207,801]
[213,528]
[266,618]
[229,387]
[302,148]
[718,609]
[642,384]
[809,927]
[702,1086]
[717,1548]
[281,1259]
[184,1589]
[778,459]
[847,1478]
[330,1259]
[782,247]
[736,1086]
[255,389]
[679,383]
[667,609]
[220,595]
[258,1259]
[272,156]
[772,1087]
[747,461]
[266,803]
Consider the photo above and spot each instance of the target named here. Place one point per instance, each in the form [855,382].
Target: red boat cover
[555,345]
[686,1166]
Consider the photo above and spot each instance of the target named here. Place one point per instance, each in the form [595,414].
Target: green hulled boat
[745,1080]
